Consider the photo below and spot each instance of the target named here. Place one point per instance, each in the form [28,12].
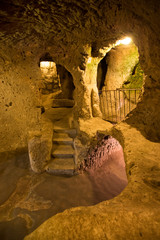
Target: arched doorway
[119,80]
[56,83]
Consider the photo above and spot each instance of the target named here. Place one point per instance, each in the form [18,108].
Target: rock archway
[120,82]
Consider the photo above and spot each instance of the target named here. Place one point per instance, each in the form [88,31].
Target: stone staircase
[59,103]
[63,160]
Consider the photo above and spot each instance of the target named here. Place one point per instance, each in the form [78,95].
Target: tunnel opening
[63,98]
[57,85]
[120,79]
[50,81]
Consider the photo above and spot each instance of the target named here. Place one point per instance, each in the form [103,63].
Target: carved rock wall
[68,30]
[19,98]
[66,81]
[121,62]
[72,32]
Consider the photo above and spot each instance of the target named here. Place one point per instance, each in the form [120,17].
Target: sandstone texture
[121,61]
[134,214]
[77,35]
[64,30]
[39,148]
[66,81]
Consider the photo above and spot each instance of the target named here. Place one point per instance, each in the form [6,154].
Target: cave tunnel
[57,85]
[45,159]
[120,80]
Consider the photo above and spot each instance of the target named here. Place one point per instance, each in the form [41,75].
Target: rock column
[86,92]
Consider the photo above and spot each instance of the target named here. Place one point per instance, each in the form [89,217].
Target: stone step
[60,134]
[62,138]
[61,166]
[62,151]
[70,131]
[67,141]
[59,103]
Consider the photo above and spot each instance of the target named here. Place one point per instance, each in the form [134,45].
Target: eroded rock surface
[134,214]
[77,34]
[71,33]
[121,62]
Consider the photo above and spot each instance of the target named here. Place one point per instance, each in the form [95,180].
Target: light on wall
[124,41]
[46,64]
[48,69]
[89,60]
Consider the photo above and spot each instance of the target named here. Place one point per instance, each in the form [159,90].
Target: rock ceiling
[65,22]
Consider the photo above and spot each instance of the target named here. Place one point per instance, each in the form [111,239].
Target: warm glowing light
[48,69]
[46,64]
[124,41]
[89,60]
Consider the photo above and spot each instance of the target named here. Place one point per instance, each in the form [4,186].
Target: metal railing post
[129,100]
[135,97]
[124,102]
[116,104]
[115,99]
[111,104]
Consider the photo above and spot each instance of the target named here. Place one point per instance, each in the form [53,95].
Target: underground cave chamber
[69,31]
[103,173]
[120,80]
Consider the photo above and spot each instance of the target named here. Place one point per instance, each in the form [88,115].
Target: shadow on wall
[106,168]
[101,73]
[66,81]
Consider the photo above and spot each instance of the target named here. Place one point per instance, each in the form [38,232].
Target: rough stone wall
[134,214]
[65,29]
[86,92]
[101,154]
[66,82]
[101,73]
[121,61]
[19,98]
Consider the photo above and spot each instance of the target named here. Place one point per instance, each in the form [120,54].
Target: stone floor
[134,214]
[28,199]
[60,117]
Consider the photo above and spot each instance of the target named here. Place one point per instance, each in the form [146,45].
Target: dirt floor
[28,199]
